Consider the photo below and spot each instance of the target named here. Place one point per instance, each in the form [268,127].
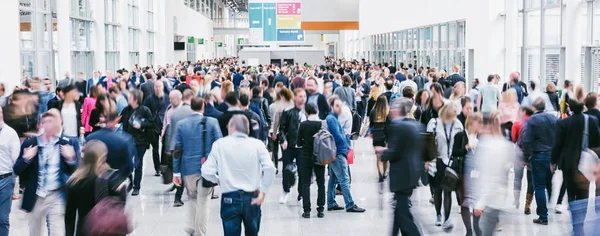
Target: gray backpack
[324,147]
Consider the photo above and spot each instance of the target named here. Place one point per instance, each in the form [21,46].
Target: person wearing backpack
[338,169]
[420,79]
[307,161]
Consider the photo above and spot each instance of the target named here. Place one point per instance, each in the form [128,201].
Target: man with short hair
[314,97]
[409,82]
[591,103]
[298,81]
[157,103]
[70,110]
[245,174]
[489,97]
[9,152]
[467,109]
[455,77]
[233,104]
[194,136]
[538,140]
[338,169]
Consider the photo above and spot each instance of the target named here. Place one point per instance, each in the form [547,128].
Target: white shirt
[247,167]
[320,86]
[493,160]
[345,119]
[9,148]
[69,116]
[49,165]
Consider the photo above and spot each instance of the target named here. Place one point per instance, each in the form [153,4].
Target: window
[36,33]
[82,61]
[150,58]
[150,21]
[191,51]
[112,61]
[81,35]
[134,38]
[112,37]
[133,14]
[150,5]
[595,24]
[134,58]
[110,11]
[81,8]
[150,41]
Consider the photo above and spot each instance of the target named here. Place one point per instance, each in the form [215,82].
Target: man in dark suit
[47,174]
[233,104]
[136,79]
[591,103]
[406,165]
[566,154]
[53,103]
[209,109]
[282,78]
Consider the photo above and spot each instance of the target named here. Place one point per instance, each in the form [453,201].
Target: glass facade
[82,51]
[112,29]
[37,24]
[134,33]
[150,32]
[209,8]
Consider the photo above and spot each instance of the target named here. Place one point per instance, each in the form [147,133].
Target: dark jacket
[569,136]
[211,111]
[288,126]
[554,100]
[182,87]
[131,81]
[53,103]
[29,170]
[147,88]
[142,115]
[237,80]
[224,120]
[308,129]
[461,117]
[77,110]
[120,151]
[540,135]
[455,78]
[263,104]
[404,155]
[322,105]
[283,79]
[158,108]
[594,112]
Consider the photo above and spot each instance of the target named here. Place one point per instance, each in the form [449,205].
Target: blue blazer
[211,111]
[102,81]
[190,139]
[131,81]
[28,170]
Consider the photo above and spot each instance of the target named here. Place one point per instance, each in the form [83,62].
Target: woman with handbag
[379,121]
[445,128]
[465,143]
[83,192]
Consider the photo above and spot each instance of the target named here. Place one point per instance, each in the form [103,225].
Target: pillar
[573,37]
[10,62]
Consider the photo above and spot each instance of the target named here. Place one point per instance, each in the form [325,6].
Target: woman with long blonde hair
[373,95]
[378,123]
[509,111]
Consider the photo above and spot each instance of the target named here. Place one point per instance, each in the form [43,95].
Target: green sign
[191,39]
[200,40]
[240,40]
[219,44]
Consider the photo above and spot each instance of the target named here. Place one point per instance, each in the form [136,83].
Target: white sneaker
[438,220]
[447,226]
[284,197]
[558,209]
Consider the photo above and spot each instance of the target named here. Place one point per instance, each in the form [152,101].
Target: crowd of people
[85,139]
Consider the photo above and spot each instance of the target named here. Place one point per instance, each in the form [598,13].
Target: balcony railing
[231,22]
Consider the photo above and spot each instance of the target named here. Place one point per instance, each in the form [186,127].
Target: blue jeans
[540,170]
[6,190]
[338,171]
[138,164]
[235,210]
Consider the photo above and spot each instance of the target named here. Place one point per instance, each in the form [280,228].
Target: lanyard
[448,136]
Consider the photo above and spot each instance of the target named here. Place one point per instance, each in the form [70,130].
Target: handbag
[350,156]
[450,182]
[205,183]
[588,162]
[108,216]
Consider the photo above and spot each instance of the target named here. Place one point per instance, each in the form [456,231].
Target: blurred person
[338,169]
[266,90]
[288,137]
[195,136]
[3,96]
[157,103]
[9,152]
[136,79]
[474,93]
[434,104]
[81,191]
[465,144]
[167,135]
[281,77]
[373,95]
[89,104]
[183,85]
[379,123]
[552,103]
[257,122]
[432,78]
[316,98]
[455,77]
[509,108]
[282,103]
[467,109]
[445,128]
[489,97]
[494,157]
[566,94]
[210,110]
[226,88]
[458,91]
[21,115]
[571,138]
[521,161]
[245,174]
[136,118]
[421,100]
[404,155]
[363,90]
[306,163]
[538,141]
[47,161]
[121,100]
[298,81]
[262,104]
[107,80]
[328,88]
[70,112]
[420,79]
[66,81]
[409,82]
[534,93]
[97,118]
[45,94]
[81,85]
[346,93]
[147,87]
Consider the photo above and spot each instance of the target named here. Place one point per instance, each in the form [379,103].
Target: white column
[160,33]
[143,26]
[64,39]
[510,38]
[573,34]
[99,35]
[10,61]
[124,34]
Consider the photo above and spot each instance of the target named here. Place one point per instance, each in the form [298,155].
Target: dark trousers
[404,222]
[167,160]
[540,166]
[237,209]
[155,153]
[275,153]
[437,198]
[138,164]
[6,190]
[577,189]
[290,155]
[305,170]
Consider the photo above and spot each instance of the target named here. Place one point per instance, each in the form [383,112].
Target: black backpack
[356,124]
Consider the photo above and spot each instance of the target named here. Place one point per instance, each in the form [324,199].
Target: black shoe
[540,221]
[171,189]
[129,187]
[320,214]
[356,209]
[178,203]
[214,197]
[135,192]
[335,208]
[306,214]
[157,173]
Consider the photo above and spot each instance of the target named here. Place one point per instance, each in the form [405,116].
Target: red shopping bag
[350,156]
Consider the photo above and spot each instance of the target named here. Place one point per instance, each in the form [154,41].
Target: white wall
[189,23]
[10,65]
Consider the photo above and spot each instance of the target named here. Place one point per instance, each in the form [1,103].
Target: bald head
[175,97]
[514,75]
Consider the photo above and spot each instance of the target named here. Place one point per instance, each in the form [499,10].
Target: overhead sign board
[290,35]
[255,15]
[269,21]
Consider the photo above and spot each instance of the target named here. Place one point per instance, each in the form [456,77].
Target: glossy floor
[154,213]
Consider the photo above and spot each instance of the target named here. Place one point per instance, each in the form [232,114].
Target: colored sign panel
[255,15]
[200,40]
[288,22]
[191,39]
[270,22]
[219,44]
[290,35]
[240,41]
[288,8]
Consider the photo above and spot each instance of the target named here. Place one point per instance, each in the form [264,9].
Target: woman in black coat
[464,144]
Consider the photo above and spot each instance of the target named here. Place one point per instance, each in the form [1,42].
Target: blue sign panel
[255,15]
[269,22]
[290,35]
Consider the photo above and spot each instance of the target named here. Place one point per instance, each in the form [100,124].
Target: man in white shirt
[245,174]
[9,152]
